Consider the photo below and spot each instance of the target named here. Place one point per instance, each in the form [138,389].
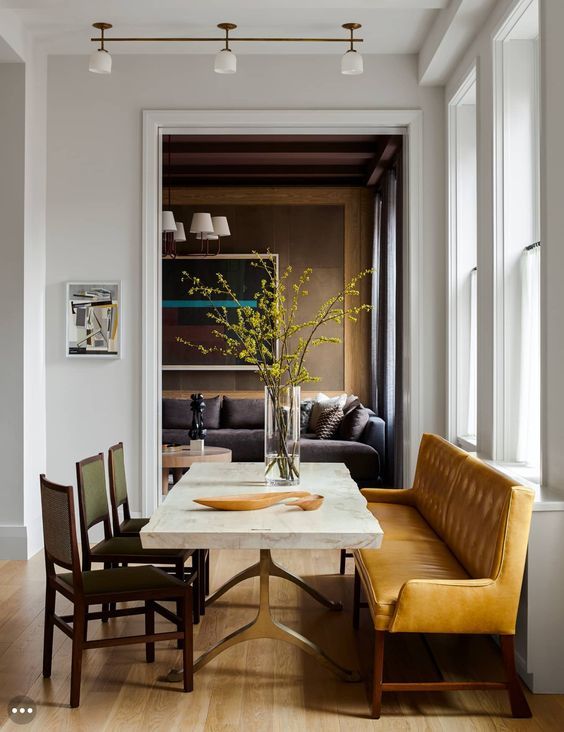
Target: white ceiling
[389,26]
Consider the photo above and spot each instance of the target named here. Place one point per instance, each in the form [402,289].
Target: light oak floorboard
[260,686]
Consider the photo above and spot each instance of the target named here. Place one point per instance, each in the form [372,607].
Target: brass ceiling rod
[224,26]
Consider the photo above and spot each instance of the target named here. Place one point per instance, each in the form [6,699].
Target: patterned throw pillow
[305,411]
[328,422]
[320,404]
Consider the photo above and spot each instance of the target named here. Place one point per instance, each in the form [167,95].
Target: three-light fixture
[225,59]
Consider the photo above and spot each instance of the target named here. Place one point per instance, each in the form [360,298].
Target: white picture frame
[93,319]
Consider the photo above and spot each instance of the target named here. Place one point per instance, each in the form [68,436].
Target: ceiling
[201,160]
[389,26]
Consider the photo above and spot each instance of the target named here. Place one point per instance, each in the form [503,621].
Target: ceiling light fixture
[352,63]
[225,60]
[100,60]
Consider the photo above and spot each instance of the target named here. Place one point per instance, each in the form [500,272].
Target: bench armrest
[454,606]
[389,495]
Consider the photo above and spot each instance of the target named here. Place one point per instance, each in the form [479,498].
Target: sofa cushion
[386,570]
[177,414]
[305,413]
[212,413]
[354,422]
[242,413]
[175,437]
[362,460]
[245,445]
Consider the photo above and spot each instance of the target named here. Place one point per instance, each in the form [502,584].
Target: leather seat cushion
[402,522]
[384,571]
[131,545]
[134,525]
[124,579]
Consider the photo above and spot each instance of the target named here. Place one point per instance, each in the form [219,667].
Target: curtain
[528,427]
[386,322]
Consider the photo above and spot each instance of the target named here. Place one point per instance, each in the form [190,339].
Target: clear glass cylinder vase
[282,435]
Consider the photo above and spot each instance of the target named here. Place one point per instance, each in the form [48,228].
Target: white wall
[12,158]
[94,213]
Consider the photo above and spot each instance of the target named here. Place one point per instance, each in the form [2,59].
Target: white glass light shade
[225,62]
[351,63]
[167,221]
[179,234]
[100,62]
[220,226]
[201,224]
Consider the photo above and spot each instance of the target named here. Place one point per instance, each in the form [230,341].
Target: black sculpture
[197,405]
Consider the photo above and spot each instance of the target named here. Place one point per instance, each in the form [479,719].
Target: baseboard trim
[13,542]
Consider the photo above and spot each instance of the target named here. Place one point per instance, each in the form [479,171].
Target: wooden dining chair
[118,495]
[122,550]
[132,526]
[148,585]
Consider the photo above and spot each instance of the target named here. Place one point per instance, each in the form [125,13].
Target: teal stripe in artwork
[208,303]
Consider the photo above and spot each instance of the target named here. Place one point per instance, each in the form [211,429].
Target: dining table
[343,521]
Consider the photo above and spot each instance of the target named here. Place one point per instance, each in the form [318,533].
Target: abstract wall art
[93,317]
[185,316]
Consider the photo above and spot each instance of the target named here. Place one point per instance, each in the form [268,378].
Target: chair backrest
[59,529]
[118,484]
[92,497]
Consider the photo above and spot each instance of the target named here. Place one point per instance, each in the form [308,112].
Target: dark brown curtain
[386,377]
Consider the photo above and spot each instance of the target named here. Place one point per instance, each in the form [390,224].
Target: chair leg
[188,650]
[519,706]
[356,600]
[197,588]
[207,573]
[106,607]
[79,622]
[201,580]
[343,566]
[378,677]
[50,595]
[149,630]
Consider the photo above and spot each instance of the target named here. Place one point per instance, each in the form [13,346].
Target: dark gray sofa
[238,424]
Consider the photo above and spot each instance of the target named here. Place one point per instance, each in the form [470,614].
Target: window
[517,249]
[462,264]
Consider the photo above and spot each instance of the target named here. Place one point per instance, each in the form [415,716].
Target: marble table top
[342,522]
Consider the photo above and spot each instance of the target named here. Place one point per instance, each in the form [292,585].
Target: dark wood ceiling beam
[270,170]
[389,150]
[266,156]
[264,146]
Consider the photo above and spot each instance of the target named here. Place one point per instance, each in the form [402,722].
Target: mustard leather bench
[451,561]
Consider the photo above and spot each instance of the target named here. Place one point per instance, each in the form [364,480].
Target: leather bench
[451,561]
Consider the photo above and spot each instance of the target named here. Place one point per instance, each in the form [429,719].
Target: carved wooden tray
[248,501]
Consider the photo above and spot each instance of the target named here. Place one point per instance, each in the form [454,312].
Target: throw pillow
[211,413]
[305,412]
[321,403]
[329,422]
[353,423]
[239,414]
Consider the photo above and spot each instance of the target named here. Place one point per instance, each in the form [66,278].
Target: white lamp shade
[100,62]
[201,224]
[167,221]
[179,234]
[351,63]
[225,62]
[220,226]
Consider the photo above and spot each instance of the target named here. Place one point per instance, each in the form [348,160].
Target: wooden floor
[257,686]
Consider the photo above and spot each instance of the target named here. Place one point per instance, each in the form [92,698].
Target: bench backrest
[467,503]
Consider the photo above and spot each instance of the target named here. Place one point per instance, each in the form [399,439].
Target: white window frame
[501,437]
[455,306]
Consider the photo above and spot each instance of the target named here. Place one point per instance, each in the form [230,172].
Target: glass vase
[282,436]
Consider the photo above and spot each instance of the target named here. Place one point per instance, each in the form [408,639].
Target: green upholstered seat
[133,525]
[124,579]
[131,545]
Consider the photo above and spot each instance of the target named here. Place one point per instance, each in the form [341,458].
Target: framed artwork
[93,319]
[185,316]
